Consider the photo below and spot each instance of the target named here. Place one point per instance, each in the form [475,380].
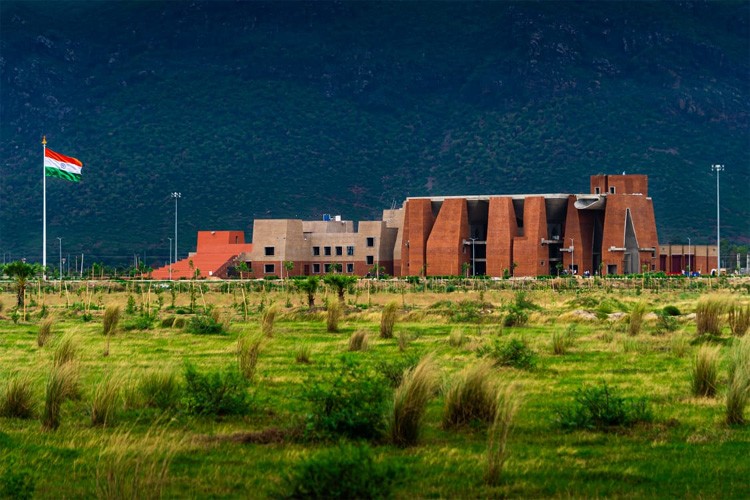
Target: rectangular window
[350,250]
[316,250]
[612,189]
[269,268]
[327,250]
[596,190]
[270,251]
[339,250]
[327,267]
[316,268]
[370,242]
[370,260]
[349,267]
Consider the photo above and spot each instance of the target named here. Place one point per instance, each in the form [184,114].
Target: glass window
[612,189]
[349,267]
[327,267]
[269,268]
[316,250]
[327,250]
[370,242]
[339,250]
[270,251]
[350,250]
[370,260]
[316,268]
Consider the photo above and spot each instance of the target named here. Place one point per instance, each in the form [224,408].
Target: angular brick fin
[528,251]
[418,222]
[501,229]
[445,245]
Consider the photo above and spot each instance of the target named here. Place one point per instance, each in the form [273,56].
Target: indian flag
[64,167]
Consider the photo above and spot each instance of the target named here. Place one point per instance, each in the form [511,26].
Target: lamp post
[717,168]
[572,258]
[473,258]
[690,269]
[176,196]
[170,259]
[59,262]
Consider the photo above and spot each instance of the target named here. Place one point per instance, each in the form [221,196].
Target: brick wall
[418,221]
[501,229]
[528,251]
[445,244]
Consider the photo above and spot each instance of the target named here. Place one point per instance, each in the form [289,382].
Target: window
[327,267]
[327,250]
[339,250]
[596,190]
[316,250]
[371,242]
[316,268]
[541,263]
[350,250]
[612,189]
[370,260]
[269,268]
[270,251]
[349,267]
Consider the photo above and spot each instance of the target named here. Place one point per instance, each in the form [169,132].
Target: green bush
[515,353]
[204,324]
[215,393]
[344,472]
[160,389]
[601,407]
[671,311]
[393,368]
[140,322]
[350,401]
[515,316]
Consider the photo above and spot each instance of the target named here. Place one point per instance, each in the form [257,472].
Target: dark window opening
[327,250]
[370,242]
[269,268]
[316,250]
[339,250]
[270,251]
[316,268]
[350,250]
[370,260]
[349,267]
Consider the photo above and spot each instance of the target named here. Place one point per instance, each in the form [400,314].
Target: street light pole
[717,168]
[690,269]
[473,258]
[59,263]
[176,196]
[572,258]
[170,258]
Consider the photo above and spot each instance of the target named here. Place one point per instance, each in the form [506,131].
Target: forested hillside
[274,110]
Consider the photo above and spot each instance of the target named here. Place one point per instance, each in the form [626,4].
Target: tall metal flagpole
[44,209]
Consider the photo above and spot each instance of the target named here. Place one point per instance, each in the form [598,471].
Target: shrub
[267,320]
[705,374]
[665,323]
[515,353]
[471,396]
[679,345]
[635,319]
[739,319]
[160,389]
[140,322]
[394,368]
[333,316]
[66,349]
[410,402]
[62,384]
[302,353]
[521,301]
[167,322]
[345,472]
[104,403]
[601,407]
[515,317]
[17,481]
[708,316]
[349,401]
[178,323]
[111,319]
[506,406]
[388,320]
[18,399]
[738,392]
[45,331]
[456,338]
[403,341]
[248,351]
[359,341]
[215,393]
[204,324]
[671,311]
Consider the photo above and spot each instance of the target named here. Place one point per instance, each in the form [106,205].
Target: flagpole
[44,209]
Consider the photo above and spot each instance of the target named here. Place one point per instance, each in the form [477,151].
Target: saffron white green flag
[61,166]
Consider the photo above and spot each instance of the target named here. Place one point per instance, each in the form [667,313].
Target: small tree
[21,272]
[242,269]
[340,282]
[309,286]
[288,267]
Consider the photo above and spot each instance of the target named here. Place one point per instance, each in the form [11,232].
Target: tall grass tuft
[45,331]
[388,319]
[705,373]
[471,396]
[333,316]
[739,319]
[302,353]
[559,343]
[248,352]
[403,341]
[267,320]
[18,398]
[635,319]
[105,401]
[359,341]
[410,401]
[160,389]
[66,350]
[738,392]
[456,338]
[62,384]
[708,316]
[506,406]
[679,345]
[111,320]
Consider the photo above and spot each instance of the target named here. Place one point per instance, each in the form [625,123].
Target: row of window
[339,250]
[370,260]
[611,190]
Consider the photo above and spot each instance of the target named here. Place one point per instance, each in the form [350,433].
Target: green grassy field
[685,450]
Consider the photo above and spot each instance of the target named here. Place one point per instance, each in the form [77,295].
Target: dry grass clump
[738,392]
[738,318]
[62,384]
[471,396]
[267,320]
[635,319]
[559,343]
[457,338]
[18,398]
[105,401]
[708,316]
[159,389]
[302,353]
[248,352]
[506,406]
[705,374]
[679,345]
[66,350]
[403,341]
[333,316]
[410,400]
[359,341]
[388,320]
[111,320]
[45,331]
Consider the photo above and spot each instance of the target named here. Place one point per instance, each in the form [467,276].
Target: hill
[296,109]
